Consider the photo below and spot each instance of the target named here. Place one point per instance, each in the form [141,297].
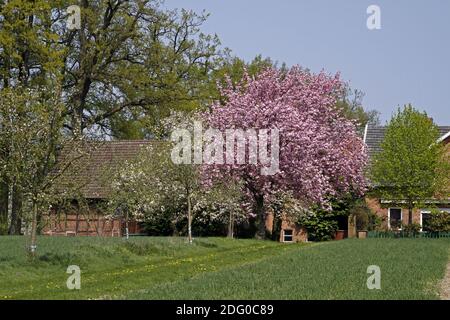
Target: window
[426,215]
[395,218]
[288,236]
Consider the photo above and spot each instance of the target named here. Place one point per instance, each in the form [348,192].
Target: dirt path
[445,285]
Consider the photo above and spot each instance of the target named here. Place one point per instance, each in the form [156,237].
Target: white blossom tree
[30,139]
[149,185]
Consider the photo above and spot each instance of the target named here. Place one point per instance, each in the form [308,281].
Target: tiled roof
[103,157]
[375,136]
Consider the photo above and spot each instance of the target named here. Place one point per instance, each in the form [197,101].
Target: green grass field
[216,268]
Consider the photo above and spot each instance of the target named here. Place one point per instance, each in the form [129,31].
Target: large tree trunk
[276,229]
[260,217]
[16,211]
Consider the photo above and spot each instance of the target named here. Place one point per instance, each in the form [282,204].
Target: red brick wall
[299,233]
[382,211]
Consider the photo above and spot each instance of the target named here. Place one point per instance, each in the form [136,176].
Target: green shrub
[321,229]
[412,229]
[3,228]
[160,224]
[321,226]
[439,221]
[366,219]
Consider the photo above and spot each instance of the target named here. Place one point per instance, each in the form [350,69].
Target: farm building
[86,217]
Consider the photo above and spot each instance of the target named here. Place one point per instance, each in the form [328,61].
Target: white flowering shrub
[155,191]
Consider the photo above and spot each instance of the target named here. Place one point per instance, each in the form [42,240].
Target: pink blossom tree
[321,155]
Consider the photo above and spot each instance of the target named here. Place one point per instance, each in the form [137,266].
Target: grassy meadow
[218,268]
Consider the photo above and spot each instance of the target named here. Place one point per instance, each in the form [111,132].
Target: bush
[321,226]
[366,219]
[411,229]
[321,229]
[3,228]
[173,221]
[439,221]
[159,225]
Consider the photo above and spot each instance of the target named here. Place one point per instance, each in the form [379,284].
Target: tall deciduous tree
[127,65]
[30,55]
[127,61]
[412,165]
[321,155]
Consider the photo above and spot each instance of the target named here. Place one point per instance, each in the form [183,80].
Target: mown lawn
[217,268]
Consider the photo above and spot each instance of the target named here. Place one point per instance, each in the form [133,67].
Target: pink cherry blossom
[321,154]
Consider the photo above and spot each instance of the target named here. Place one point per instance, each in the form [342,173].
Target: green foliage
[375,222]
[30,50]
[366,219]
[321,225]
[320,228]
[130,61]
[401,234]
[233,69]
[30,140]
[30,136]
[411,165]
[3,228]
[161,224]
[439,221]
[412,229]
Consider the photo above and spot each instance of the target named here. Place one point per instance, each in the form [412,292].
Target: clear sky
[406,61]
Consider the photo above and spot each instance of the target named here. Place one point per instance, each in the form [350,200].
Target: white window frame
[284,235]
[389,217]
[422,212]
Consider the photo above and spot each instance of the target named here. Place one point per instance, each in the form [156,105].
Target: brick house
[89,219]
[394,213]
[391,212]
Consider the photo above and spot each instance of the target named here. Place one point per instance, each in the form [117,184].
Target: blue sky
[406,61]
